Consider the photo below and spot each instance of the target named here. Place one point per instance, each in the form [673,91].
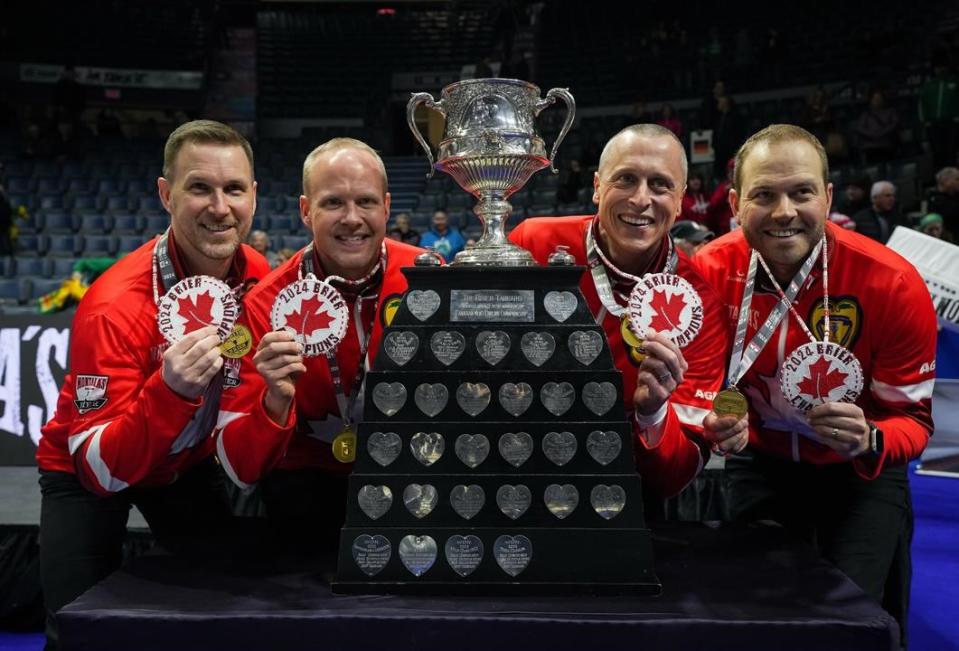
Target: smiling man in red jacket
[135,416]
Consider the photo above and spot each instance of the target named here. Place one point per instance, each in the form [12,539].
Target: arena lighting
[386,11]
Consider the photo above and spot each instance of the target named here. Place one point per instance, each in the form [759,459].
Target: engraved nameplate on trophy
[510,305]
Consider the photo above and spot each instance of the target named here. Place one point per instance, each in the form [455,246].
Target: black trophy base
[572,561]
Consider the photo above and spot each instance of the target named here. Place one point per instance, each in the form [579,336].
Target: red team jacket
[117,423]
[678,456]
[249,443]
[881,311]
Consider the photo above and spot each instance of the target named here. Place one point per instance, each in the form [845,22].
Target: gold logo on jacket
[845,320]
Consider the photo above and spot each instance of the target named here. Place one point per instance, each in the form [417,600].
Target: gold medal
[238,343]
[730,402]
[344,446]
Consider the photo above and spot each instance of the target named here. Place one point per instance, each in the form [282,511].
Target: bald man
[668,390]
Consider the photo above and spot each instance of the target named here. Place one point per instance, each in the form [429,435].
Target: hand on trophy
[659,374]
[279,359]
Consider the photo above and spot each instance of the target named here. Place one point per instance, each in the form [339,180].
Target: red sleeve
[679,454]
[903,375]
[140,419]
[248,442]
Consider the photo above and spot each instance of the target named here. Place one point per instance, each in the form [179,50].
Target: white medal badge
[668,304]
[818,372]
[197,302]
[314,312]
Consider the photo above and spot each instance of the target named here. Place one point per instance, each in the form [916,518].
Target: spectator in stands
[442,238]
[74,288]
[669,119]
[831,471]
[695,202]
[6,223]
[945,198]
[878,220]
[877,130]
[709,108]
[931,225]
[135,417]
[855,196]
[721,218]
[690,236]
[939,114]
[573,180]
[260,242]
[817,116]
[285,254]
[842,221]
[728,133]
[403,232]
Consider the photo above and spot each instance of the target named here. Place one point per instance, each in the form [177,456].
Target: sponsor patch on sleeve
[91,392]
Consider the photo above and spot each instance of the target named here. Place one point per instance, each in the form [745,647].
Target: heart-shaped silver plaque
[464,553]
[420,499]
[427,447]
[516,398]
[561,500]
[472,449]
[537,347]
[401,346]
[560,305]
[516,447]
[599,397]
[513,500]
[418,553]
[371,553]
[389,397]
[467,501]
[384,447]
[431,398]
[473,397]
[374,501]
[492,346]
[607,501]
[559,447]
[585,345]
[604,447]
[513,553]
[447,346]
[557,397]
[423,304]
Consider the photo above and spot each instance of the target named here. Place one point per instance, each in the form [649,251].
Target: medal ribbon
[347,404]
[598,263]
[742,360]
[167,272]
[825,291]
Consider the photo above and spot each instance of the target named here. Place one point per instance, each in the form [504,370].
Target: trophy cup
[491,148]
[494,456]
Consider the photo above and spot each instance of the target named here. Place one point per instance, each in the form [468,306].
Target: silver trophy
[491,147]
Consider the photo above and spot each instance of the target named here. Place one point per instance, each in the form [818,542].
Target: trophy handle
[415,100]
[549,100]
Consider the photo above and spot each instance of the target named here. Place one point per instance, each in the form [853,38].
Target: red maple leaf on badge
[197,312]
[667,310]
[309,318]
[821,380]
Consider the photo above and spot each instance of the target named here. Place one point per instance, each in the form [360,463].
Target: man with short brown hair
[835,352]
[135,413]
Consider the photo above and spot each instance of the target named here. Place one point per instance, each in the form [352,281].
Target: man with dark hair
[690,236]
[838,369]
[291,423]
[944,200]
[443,238]
[668,391]
[135,413]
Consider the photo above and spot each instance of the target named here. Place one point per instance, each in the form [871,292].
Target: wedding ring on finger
[664,377]
[835,433]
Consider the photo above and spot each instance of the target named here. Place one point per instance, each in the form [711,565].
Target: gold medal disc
[344,446]
[238,343]
[730,402]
